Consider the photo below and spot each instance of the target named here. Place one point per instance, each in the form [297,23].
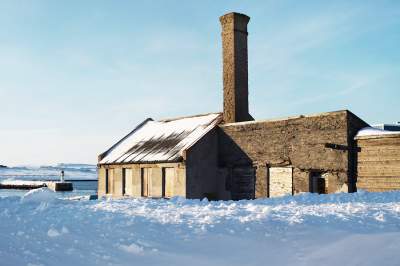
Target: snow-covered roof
[372,131]
[160,141]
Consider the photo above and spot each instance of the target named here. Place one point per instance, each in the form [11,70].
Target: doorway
[126,181]
[280,181]
[169,182]
[318,183]
[243,182]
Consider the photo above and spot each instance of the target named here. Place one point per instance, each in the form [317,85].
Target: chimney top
[237,20]
[234,15]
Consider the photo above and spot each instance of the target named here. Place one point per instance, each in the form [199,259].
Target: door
[243,182]
[152,182]
[145,181]
[110,181]
[169,181]
[317,183]
[127,181]
[107,188]
[280,181]
[155,185]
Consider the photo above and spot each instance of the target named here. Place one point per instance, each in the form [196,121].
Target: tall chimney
[234,52]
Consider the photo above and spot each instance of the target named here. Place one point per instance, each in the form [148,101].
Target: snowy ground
[341,229]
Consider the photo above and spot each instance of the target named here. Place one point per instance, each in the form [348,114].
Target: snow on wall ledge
[308,229]
[372,131]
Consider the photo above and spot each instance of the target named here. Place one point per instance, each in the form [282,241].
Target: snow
[22,182]
[338,229]
[53,233]
[132,248]
[155,141]
[371,131]
[40,195]
[50,172]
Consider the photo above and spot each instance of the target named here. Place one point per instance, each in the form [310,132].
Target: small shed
[161,159]
[378,162]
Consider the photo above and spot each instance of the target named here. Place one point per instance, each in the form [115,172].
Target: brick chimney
[234,52]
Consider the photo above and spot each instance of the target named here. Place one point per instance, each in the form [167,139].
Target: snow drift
[341,229]
[40,195]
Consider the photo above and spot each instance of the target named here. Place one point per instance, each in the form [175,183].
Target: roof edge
[356,116]
[285,118]
[189,116]
[104,154]
[217,121]
[177,160]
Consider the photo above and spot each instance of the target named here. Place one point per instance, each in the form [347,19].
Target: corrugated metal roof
[160,141]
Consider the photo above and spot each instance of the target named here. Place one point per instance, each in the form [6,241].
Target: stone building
[164,158]
[229,155]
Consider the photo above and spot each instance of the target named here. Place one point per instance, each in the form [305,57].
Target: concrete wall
[299,142]
[156,170]
[379,163]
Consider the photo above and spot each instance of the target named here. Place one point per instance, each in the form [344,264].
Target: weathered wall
[101,185]
[115,177]
[299,142]
[320,143]
[379,163]
[202,168]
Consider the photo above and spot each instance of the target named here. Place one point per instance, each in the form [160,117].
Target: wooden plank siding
[378,163]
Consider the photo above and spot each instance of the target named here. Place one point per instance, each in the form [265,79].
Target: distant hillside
[50,172]
[3,166]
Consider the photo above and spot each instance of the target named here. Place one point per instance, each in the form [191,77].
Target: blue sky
[76,76]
